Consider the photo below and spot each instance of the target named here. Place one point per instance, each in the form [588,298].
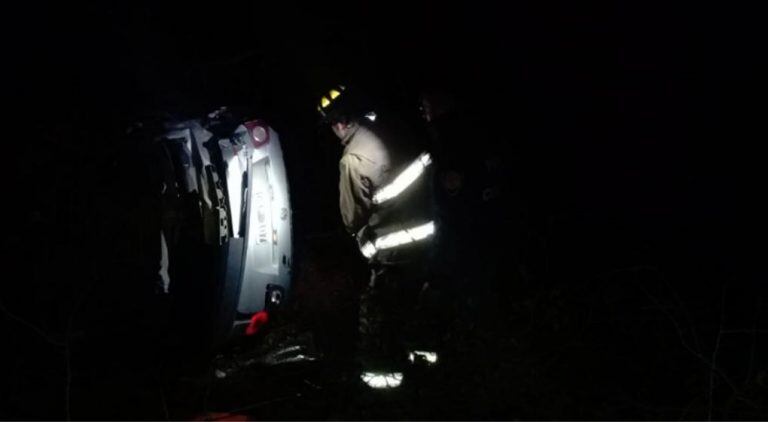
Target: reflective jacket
[364,167]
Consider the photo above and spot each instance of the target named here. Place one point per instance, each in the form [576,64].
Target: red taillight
[258,132]
[258,320]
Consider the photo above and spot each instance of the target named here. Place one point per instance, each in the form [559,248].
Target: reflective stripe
[382,380]
[404,179]
[399,238]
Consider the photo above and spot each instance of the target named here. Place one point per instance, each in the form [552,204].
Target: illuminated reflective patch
[371,116]
[429,357]
[382,380]
[368,250]
[404,179]
[333,94]
[405,236]
[325,102]
[399,238]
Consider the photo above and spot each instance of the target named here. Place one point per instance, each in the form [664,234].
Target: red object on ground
[258,320]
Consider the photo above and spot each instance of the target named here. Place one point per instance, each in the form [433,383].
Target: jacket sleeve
[354,193]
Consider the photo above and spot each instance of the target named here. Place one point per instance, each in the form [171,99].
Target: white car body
[242,187]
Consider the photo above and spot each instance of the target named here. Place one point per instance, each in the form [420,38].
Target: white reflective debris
[382,380]
[429,357]
[404,179]
[163,272]
[371,116]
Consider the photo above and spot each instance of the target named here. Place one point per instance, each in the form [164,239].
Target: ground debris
[283,346]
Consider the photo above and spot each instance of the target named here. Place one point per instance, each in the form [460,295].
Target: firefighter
[384,206]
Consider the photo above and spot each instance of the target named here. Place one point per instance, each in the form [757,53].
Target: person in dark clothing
[472,213]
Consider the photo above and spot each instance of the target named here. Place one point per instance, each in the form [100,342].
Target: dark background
[630,134]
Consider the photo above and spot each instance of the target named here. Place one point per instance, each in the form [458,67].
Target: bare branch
[754,341]
[165,403]
[687,347]
[714,354]
[68,346]
[687,314]
[68,391]
[745,331]
[29,325]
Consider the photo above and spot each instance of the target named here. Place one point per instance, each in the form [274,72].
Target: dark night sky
[634,102]
[611,108]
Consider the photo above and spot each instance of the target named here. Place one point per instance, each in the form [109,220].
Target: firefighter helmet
[332,101]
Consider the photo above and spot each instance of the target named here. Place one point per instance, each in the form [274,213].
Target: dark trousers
[396,314]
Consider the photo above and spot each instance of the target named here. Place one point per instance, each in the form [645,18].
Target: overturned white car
[226,238]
